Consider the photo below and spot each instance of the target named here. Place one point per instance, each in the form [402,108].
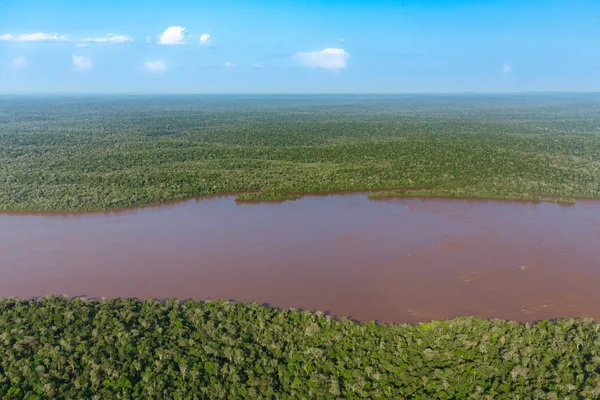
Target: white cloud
[342,40]
[148,39]
[34,37]
[19,62]
[172,35]
[110,38]
[204,38]
[229,64]
[506,68]
[326,58]
[257,66]
[81,62]
[41,36]
[81,45]
[155,66]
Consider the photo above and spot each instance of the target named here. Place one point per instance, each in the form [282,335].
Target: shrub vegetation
[470,192]
[265,196]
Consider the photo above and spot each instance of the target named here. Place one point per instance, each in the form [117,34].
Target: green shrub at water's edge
[127,348]
[256,197]
[470,192]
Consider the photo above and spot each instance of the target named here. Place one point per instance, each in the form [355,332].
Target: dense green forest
[75,153]
[131,349]
[469,192]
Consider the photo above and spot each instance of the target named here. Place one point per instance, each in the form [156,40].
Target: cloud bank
[48,37]
[34,37]
[327,58]
[110,38]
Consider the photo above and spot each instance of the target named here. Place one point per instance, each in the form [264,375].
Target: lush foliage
[109,152]
[470,192]
[265,196]
[132,349]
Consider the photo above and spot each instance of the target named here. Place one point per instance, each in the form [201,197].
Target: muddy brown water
[394,260]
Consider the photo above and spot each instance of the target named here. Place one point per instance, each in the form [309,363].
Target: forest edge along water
[391,260]
[110,152]
[280,197]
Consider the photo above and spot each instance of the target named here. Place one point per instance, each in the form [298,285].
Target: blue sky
[306,46]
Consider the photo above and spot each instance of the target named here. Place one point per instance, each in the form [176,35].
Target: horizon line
[293,93]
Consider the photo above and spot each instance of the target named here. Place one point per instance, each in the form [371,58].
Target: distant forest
[103,152]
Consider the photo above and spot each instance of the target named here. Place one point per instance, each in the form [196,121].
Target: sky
[310,46]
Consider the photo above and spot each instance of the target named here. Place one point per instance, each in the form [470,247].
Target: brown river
[395,260]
